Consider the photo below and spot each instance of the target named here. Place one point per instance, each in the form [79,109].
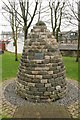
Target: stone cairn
[41,75]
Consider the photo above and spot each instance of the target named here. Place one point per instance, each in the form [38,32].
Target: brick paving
[10,101]
[74,109]
[42,110]
[7,108]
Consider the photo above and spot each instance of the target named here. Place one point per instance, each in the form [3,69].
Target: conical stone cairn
[41,76]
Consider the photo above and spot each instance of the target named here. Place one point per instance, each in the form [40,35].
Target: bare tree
[14,26]
[25,13]
[12,19]
[74,19]
[39,10]
[24,16]
[56,8]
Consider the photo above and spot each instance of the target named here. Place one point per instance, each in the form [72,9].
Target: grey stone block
[47,76]
[46,61]
[47,93]
[53,68]
[48,85]
[42,72]
[54,76]
[56,72]
[50,89]
[44,81]
[42,89]
[34,89]
[38,93]
[39,85]
[30,92]
[23,82]
[30,84]
[55,96]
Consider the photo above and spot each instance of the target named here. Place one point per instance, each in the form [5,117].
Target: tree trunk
[53,31]
[77,59]
[53,28]
[25,30]
[57,32]
[16,55]
[25,38]
[57,35]
[78,49]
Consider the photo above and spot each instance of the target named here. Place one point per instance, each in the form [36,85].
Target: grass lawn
[10,67]
[71,67]
[0,67]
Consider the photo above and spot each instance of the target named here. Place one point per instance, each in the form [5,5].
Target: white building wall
[10,47]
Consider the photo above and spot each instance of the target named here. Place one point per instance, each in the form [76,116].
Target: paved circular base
[10,100]
[51,110]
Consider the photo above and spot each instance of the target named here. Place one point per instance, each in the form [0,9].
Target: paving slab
[41,110]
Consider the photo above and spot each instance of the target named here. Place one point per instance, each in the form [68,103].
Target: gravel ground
[71,97]
[10,98]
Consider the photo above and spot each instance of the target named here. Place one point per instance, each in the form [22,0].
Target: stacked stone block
[41,75]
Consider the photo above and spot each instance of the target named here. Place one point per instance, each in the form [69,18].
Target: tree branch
[33,15]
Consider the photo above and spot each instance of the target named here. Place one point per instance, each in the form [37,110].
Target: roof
[68,46]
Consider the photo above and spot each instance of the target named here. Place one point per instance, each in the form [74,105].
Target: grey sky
[3,21]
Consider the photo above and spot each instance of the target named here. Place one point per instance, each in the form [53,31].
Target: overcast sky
[4,24]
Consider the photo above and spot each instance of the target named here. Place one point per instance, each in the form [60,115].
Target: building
[9,42]
[68,49]
[3,45]
[68,37]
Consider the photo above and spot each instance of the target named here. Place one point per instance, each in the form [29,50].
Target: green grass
[10,67]
[79,71]
[71,67]
[0,67]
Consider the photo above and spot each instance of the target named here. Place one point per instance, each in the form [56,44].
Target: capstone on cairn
[41,75]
